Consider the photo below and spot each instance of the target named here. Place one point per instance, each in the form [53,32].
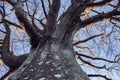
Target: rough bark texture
[51,62]
[52,55]
[54,58]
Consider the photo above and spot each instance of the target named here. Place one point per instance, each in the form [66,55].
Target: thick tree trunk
[51,62]
[53,59]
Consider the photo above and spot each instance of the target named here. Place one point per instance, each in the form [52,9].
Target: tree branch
[86,62]
[2,31]
[10,59]
[22,17]
[10,2]
[6,75]
[35,37]
[52,17]
[96,58]
[37,20]
[33,22]
[68,20]
[6,42]
[43,6]
[99,17]
[100,3]
[116,19]
[14,24]
[85,40]
[98,75]
[48,3]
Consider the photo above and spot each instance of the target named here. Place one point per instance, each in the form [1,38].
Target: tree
[52,56]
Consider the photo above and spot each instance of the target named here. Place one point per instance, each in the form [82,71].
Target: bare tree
[52,56]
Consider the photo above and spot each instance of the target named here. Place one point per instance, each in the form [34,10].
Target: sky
[105,47]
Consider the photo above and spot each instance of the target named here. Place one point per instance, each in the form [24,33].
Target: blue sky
[106,47]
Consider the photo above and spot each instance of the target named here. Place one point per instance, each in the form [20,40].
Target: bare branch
[98,75]
[10,2]
[99,17]
[82,41]
[3,14]
[9,58]
[37,19]
[116,19]
[43,6]
[100,3]
[25,0]
[14,24]
[7,74]
[6,42]
[48,3]
[88,63]
[33,22]
[2,31]
[69,19]
[52,17]
[22,17]
[83,55]
[27,8]
[86,48]
[43,24]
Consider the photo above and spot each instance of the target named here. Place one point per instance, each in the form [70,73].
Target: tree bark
[51,62]
[53,58]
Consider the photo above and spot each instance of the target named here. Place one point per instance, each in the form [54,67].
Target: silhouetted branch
[100,3]
[99,17]
[43,6]
[2,31]
[117,57]
[37,19]
[10,2]
[88,63]
[25,1]
[5,75]
[33,22]
[43,24]
[98,75]
[83,55]
[85,40]
[116,19]
[3,14]
[14,24]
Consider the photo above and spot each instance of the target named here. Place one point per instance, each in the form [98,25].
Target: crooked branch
[96,58]
[99,17]
[88,63]
[85,40]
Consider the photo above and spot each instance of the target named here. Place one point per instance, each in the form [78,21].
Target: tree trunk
[53,59]
[51,62]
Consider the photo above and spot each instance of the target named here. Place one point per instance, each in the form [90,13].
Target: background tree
[83,30]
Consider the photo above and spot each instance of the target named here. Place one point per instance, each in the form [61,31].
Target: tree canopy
[58,33]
